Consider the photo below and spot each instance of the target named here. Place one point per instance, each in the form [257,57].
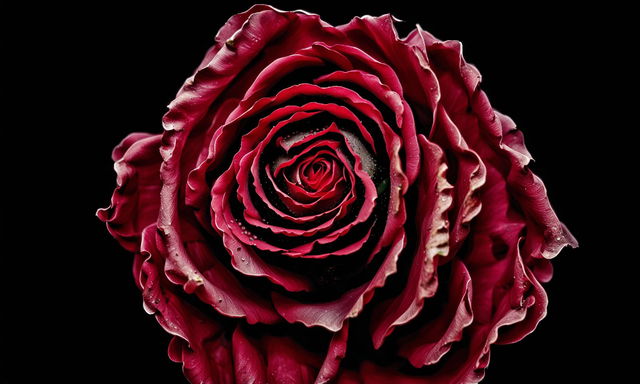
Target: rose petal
[435,338]
[198,190]
[467,364]
[372,83]
[274,72]
[548,235]
[336,352]
[135,201]
[201,89]
[288,363]
[471,176]
[231,27]
[509,309]
[245,260]
[216,285]
[248,362]
[535,313]
[434,198]
[332,315]
[199,342]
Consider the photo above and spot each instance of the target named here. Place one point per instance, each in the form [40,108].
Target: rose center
[315,172]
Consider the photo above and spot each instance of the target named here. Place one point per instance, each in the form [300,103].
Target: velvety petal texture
[334,204]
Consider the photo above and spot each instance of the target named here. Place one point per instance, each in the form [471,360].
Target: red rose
[321,189]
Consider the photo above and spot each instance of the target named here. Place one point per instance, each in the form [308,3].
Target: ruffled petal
[332,315]
[136,200]
[495,136]
[336,352]
[434,198]
[199,342]
[471,176]
[435,338]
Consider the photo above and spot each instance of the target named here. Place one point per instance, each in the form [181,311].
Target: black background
[86,77]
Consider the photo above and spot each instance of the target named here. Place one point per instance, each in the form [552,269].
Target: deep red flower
[334,203]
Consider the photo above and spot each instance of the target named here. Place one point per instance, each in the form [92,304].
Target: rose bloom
[334,204]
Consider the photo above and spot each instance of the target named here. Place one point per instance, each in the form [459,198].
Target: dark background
[85,78]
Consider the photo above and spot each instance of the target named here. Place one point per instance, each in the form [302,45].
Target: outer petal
[468,363]
[248,362]
[136,200]
[510,309]
[231,27]
[470,178]
[199,342]
[288,363]
[278,360]
[214,284]
[495,136]
[547,235]
[435,338]
[337,350]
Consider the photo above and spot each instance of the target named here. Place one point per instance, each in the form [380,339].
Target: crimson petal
[471,176]
[332,315]
[135,201]
[434,197]
[435,338]
[337,351]
[198,342]
[248,363]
